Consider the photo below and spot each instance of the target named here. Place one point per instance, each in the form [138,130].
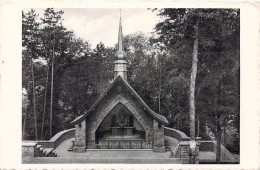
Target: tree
[60,39]
[52,19]
[196,27]
[66,52]
[30,42]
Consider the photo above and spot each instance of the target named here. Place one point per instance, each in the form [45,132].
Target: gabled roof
[156,116]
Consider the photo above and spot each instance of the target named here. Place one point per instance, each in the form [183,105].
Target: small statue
[122,119]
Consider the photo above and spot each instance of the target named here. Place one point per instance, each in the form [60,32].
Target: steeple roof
[120,54]
[120,37]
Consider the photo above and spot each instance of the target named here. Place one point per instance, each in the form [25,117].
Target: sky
[101,24]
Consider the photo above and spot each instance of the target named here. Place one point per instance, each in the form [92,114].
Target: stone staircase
[45,152]
[172,145]
[174,151]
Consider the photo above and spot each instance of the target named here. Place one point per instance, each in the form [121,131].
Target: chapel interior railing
[120,144]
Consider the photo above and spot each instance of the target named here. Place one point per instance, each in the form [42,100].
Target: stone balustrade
[57,139]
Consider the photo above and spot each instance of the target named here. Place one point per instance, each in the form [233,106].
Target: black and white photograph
[100,85]
[131,85]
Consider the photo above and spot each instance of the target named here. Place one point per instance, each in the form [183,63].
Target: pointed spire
[120,49]
[120,63]
[120,36]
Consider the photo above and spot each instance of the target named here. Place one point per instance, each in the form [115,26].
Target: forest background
[62,75]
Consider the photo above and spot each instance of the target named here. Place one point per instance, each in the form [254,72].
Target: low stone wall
[207,146]
[179,135]
[58,138]
[46,144]
[61,136]
[28,149]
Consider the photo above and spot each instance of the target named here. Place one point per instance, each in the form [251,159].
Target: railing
[120,144]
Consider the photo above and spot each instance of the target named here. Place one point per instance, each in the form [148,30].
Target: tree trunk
[198,128]
[178,122]
[34,100]
[26,112]
[52,70]
[218,125]
[225,135]
[24,120]
[179,115]
[192,94]
[218,139]
[159,77]
[160,91]
[159,102]
[45,99]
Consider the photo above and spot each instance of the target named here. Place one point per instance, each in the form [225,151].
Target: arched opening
[120,124]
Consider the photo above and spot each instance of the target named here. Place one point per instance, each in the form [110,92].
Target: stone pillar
[158,137]
[184,152]
[80,137]
[29,149]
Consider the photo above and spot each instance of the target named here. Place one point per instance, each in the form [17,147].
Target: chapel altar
[123,126]
[120,123]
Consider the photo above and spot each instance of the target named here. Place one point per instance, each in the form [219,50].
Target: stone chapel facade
[119,119]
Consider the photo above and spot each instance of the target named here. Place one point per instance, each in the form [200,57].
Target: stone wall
[177,134]
[207,146]
[28,149]
[57,139]
[62,136]
[159,140]
[141,115]
[80,137]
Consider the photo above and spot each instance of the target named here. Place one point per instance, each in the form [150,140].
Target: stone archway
[141,117]
[117,125]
